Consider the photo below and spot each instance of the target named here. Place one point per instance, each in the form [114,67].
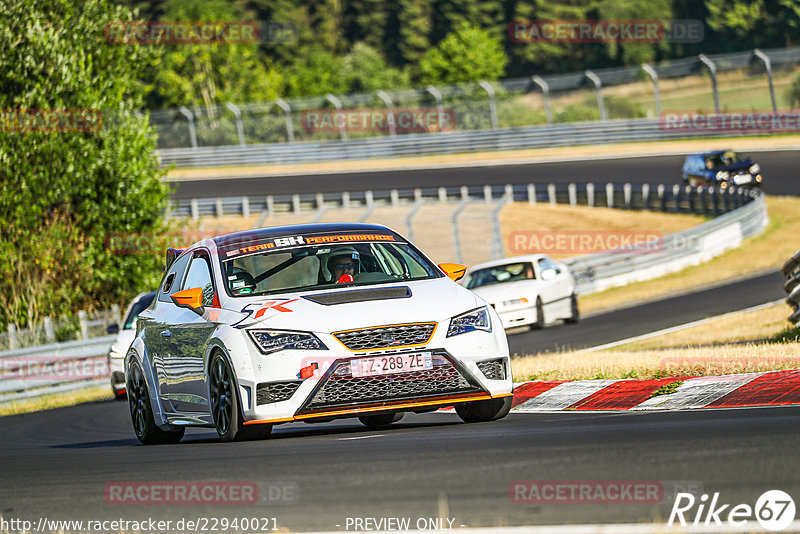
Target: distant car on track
[722,168]
[526,290]
[311,323]
[116,354]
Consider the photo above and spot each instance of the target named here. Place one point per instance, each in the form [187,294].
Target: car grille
[384,337]
[276,391]
[341,388]
[493,369]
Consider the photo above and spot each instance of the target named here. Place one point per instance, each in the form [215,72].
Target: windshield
[499,274]
[137,308]
[721,160]
[325,267]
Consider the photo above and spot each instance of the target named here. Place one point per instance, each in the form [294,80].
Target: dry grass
[523,217]
[767,251]
[650,364]
[753,326]
[60,400]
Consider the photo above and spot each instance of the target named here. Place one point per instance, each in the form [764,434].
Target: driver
[344,261]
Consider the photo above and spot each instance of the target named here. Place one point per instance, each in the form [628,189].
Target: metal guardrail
[577,133]
[791,270]
[603,270]
[35,371]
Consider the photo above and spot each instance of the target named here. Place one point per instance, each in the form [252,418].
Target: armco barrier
[791,269]
[35,371]
[576,133]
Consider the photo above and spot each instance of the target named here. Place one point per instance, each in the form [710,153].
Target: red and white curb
[772,388]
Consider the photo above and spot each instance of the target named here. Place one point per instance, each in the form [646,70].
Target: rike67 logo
[774,510]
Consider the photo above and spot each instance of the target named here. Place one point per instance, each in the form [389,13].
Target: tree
[68,186]
[465,55]
[364,69]
[793,94]
[206,74]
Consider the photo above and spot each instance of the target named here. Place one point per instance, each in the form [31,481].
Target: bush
[793,94]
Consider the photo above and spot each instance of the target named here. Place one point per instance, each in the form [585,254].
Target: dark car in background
[722,168]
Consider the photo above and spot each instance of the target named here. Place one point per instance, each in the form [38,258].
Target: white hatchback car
[526,290]
[116,354]
[311,323]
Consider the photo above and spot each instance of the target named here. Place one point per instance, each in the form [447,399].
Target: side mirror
[548,274]
[454,271]
[112,328]
[190,298]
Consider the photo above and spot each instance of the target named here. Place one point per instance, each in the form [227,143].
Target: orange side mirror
[190,298]
[454,271]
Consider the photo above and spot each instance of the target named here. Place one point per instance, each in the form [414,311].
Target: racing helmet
[343,252]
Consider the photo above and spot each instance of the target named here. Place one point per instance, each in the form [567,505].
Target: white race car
[311,323]
[526,290]
[116,354]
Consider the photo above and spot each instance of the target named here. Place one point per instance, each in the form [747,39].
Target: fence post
[551,194]
[676,195]
[346,200]
[442,192]
[599,89]
[369,198]
[545,87]
[492,105]
[287,110]
[13,344]
[626,193]
[459,258]
[646,196]
[395,196]
[192,131]
[531,194]
[654,77]
[338,105]
[712,70]
[487,194]
[590,194]
[390,119]
[464,192]
[239,127]
[610,195]
[417,194]
[84,324]
[49,331]
[270,205]
[218,207]
[767,65]
[662,199]
[439,106]
[245,207]
[572,191]
[296,203]
[195,209]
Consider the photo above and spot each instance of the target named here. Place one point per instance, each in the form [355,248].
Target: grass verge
[59,400]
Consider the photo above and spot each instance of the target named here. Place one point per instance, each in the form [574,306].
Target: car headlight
[269,341]
[722,175]
[754,168]
[477,319]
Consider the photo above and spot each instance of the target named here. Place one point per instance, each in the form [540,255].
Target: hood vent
[359,295]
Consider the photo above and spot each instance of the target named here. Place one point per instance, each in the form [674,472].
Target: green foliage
[577,113]
[210,73]
[790,335]
[465,55]
[65,191]
[365,69]
[793,94]
[667,389]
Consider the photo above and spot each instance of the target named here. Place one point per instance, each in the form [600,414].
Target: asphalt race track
[57,465]
[651,317]
[779,169]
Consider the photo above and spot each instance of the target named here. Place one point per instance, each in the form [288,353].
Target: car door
[155,323]
[554,291]
[189,334]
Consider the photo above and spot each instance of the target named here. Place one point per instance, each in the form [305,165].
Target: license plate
[391,364]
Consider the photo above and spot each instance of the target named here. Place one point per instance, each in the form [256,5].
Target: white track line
[679,327]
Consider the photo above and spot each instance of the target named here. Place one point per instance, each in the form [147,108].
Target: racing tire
[539,315]
[380,421]
[223,399]
[484,411]
[144,426]
[575,313]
